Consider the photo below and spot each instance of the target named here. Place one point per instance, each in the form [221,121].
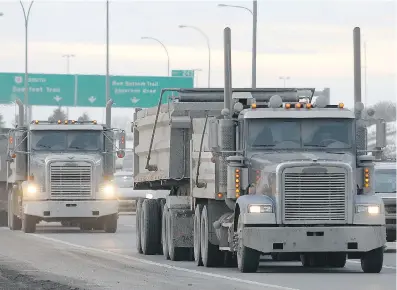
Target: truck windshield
[385,180]
[66,140]
[300,133]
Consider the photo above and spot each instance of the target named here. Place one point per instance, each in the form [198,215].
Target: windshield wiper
[76,147]
[44,146]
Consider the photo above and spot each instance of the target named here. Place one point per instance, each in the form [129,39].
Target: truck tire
[110,224]
[196,235]
[372,261]
[336,260]
[137,225]
[247,258]
[164,237]
[149,227]
[28,223]
[210,254]
[14,223]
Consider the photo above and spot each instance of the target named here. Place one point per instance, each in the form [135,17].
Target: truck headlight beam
[370,209]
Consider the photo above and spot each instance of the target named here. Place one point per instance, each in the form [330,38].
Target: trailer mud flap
[181,227]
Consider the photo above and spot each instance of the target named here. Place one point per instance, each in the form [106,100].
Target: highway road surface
[65,258]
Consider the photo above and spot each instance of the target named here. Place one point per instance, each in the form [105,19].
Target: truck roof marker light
[11,140]
[253,106]
[36,122]
[94,122]
[287,106]
[366,170]
[341,105]
[298,105]
[237,195]
[308,106]
[59,121]
[73,121]
[66,121]
[13,155]
[220,195]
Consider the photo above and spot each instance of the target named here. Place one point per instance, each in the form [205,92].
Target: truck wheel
[196,235]
[336,260]
[247,258]
[149,227]
[28,223]
[164,238]
[3,219]
[14,223]
[175,253]
[110,224]
[161,203]
[372,261]
[137,225]
[210,254]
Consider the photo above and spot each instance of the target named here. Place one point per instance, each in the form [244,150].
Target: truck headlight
[260,208]
[109,190]
[371,209]
[32,189]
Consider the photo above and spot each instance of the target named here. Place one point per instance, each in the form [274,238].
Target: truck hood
[273,159]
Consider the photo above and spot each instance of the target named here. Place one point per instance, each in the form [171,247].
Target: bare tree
[84,117]
[58,114]
[385,110]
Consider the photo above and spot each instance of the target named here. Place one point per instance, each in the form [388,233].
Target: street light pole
[284,79]
[209,49]
[26,93]
[107,53]
[68,56]
[254,13]
[166,51]
[254,38]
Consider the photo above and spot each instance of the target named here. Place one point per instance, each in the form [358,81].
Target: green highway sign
[126,91]
[182,73]
[44,90]
[88,90]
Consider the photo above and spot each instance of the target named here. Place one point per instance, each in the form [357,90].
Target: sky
[311,42]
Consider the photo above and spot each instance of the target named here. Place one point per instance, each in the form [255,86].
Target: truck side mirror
[380,133]
[122,140]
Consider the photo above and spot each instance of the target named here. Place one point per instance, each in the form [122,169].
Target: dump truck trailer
[256,171]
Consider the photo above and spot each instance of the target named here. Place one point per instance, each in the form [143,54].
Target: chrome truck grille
[315,197]
[70,180]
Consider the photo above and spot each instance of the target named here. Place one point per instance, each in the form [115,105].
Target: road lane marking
[212,275]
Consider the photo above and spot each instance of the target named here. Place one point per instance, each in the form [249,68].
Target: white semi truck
[257,171]
[62,171]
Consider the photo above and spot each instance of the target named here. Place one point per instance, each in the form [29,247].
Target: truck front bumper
[314,239]
[48,209]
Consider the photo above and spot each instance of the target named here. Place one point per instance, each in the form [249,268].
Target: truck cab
[62,171]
